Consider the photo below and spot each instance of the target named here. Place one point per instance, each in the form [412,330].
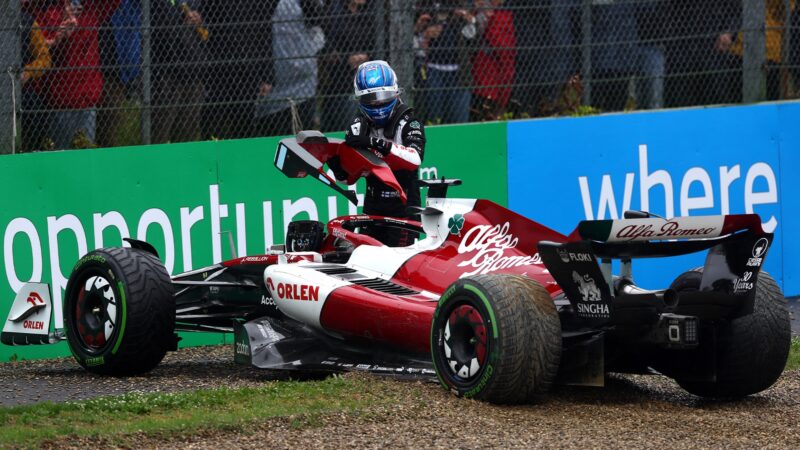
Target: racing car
[494,305]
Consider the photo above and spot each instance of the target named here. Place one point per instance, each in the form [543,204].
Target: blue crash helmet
[376,91]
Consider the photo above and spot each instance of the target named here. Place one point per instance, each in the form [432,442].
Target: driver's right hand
[357,134]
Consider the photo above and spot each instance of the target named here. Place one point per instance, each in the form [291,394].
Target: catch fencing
[88,73]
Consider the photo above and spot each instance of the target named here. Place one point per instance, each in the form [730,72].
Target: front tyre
[119,312]
[496,338]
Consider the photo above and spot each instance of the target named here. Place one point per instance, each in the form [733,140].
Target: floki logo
[567,256]
[488,245]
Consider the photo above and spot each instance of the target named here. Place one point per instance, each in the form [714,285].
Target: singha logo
[587,288]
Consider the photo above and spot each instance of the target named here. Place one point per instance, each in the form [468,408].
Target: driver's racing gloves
[358,136]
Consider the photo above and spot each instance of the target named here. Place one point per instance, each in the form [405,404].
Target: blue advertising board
[693,162]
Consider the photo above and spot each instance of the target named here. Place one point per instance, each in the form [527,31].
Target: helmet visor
[377,98]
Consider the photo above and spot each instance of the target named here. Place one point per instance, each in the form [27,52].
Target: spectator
[36,60]
[240,68]
[179,43]
[297,38]
[494,64]
[565,36]
[76,85]
[697,72]
[120,57]
[422,34]
[617,53]
[350,34]
[775,16]
[446,39]
[535,79]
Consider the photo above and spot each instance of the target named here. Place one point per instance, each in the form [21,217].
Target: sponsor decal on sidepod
[291,291]
[488,244]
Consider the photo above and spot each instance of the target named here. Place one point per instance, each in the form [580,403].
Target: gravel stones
[631,411]
[63,379]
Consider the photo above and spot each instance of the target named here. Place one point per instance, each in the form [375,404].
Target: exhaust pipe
[668,296]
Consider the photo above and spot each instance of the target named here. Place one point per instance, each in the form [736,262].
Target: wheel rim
[95,312]
[465,342]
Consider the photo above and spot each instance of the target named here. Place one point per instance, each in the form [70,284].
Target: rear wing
[582,266]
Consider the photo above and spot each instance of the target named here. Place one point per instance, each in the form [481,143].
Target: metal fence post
[755,51]
[401,43]
[146,74]
[9,79]
[785,50]
[380,28]
[586,50]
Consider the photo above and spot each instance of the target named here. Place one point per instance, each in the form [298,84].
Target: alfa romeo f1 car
[497,306]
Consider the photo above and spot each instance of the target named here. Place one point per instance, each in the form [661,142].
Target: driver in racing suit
[386,126]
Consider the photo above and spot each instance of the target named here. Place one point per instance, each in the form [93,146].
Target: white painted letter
[269,237]
[759,198]
[647,181]
[24,226]
[217,212]
[726,177]
[54,227]
[607,199]
[332,210]
[109,219]
[351,208]
[159,217]
[291,209]
[241,230]
[704,201]
[187,220]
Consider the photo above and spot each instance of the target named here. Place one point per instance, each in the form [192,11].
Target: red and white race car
[498,307]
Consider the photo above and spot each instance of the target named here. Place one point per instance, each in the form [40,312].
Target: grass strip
[793,363]
[182,412]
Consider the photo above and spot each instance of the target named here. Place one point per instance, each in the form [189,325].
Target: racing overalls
[404,136]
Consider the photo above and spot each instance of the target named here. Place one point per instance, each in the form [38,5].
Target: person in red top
[76,84]
[494,64]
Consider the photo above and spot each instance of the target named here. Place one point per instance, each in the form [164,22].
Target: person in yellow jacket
[776,15]
[36,60]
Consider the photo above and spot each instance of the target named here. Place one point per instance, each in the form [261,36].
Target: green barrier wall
[187,200]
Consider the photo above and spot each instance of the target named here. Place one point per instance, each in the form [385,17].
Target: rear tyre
[119,312]
[751,350]
[496,338]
